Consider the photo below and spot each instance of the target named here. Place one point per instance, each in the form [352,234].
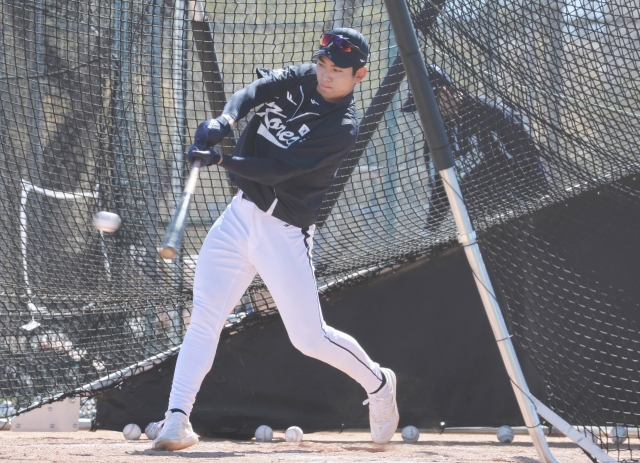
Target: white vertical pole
[178,99]
[179,57]
[24,197]
[103,246]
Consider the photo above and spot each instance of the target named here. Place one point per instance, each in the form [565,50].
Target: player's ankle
[384,382]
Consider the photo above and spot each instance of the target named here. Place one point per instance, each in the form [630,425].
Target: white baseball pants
[243,241]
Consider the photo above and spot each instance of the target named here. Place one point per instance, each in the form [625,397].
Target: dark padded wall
[424,321]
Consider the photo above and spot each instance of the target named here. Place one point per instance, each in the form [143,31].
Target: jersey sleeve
[318,152]
[321,147]
[270,84]
[265,171]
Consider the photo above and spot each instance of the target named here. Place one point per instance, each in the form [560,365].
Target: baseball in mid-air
[264,433]
[107,222]
[293,434]
[410,434]
[505,434]
[131,431]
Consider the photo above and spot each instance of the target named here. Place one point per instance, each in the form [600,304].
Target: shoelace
[171,426]
[380,407]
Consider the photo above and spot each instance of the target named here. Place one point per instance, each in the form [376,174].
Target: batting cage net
[98,103]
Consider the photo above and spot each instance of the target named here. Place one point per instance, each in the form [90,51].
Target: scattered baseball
[264,433]
[153,429]
[618,434]
[410,434]
[106,221]
[293,434]
[131,431]
[589,434]
[505,434]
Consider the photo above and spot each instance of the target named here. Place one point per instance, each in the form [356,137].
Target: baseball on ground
[153,429]
[264,433]
[293,434]
[505,434]
[410,434]
[131,432]
[618,434]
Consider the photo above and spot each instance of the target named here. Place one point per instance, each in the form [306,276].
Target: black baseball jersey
[293,145]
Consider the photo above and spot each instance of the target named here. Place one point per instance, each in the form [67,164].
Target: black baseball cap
[334,49]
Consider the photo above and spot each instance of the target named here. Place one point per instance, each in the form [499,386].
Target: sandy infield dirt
[111,447]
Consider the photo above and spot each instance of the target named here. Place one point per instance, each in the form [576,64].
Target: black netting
[563,77]
[98,101]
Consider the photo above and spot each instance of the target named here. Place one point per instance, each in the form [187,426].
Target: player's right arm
[265,89]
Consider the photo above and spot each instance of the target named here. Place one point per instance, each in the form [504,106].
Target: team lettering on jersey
[273,126]
[278,124]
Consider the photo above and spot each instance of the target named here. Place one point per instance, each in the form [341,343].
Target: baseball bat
[172,240]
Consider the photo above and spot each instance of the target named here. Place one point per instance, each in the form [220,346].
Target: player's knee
[311,345]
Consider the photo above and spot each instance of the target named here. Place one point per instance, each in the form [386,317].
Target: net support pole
[436,138]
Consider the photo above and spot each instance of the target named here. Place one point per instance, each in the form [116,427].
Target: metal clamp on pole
[436,138]
[468,239]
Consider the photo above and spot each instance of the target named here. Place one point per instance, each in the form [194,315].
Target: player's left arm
[327,144]
[265,171]
[300,158]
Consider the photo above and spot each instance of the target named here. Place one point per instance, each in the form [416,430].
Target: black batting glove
[212,132]
[207,156]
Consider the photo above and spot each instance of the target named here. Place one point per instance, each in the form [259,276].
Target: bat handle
[190,186]
[175,231]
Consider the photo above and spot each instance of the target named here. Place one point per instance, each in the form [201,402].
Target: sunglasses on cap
[340,43]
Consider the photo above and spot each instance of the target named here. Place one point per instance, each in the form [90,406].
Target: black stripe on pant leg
[305,232]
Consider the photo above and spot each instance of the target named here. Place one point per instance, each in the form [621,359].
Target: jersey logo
[314,102]
[272,127]
[290,98]
[304,130]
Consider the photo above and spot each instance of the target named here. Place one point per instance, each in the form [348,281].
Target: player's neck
[334,100]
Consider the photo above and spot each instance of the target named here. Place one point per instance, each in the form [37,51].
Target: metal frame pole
[442,156]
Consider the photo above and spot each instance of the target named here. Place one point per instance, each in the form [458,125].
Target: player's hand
[212,132]
[208,156]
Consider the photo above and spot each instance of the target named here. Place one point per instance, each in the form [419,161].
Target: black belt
[244,196]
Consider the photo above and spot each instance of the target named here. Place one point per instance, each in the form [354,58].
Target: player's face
[335,83]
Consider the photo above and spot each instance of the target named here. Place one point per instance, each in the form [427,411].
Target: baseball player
[283,164]
[496,158]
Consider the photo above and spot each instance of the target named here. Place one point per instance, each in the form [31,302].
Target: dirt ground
[111,447]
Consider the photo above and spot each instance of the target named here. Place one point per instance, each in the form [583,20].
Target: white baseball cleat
[176,433]
[383,410]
